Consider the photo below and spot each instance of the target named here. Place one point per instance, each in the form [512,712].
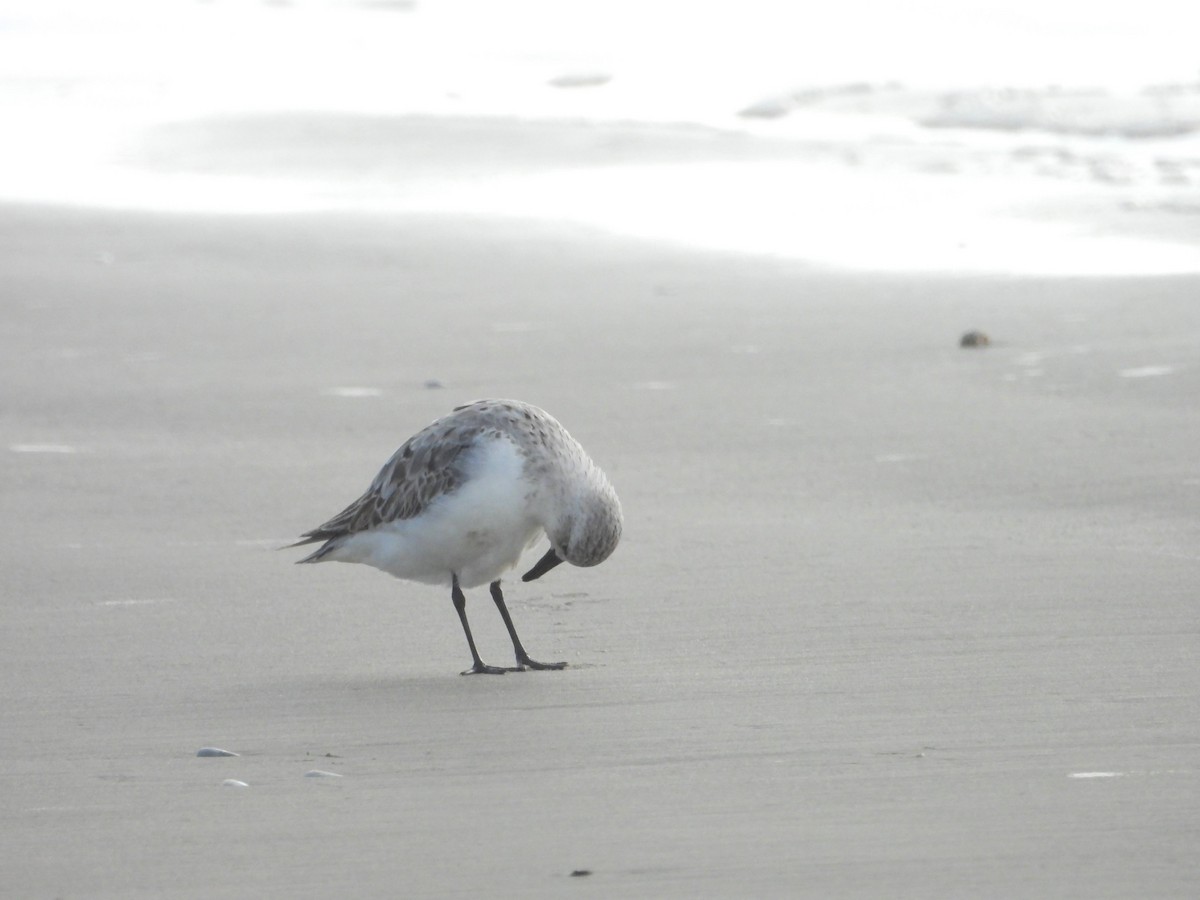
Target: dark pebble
[974,339]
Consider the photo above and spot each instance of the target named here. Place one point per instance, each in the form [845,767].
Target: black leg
[523,660]
[460,604]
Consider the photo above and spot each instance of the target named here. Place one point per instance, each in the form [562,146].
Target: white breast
[478,532]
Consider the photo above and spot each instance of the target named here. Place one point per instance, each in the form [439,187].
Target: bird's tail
[318,554]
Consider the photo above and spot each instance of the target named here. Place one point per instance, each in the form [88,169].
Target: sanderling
[462,499]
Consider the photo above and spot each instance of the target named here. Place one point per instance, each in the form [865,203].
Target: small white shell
[319,773]
[215,751]
[233,782]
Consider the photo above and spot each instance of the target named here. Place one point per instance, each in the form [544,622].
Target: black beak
[544,565]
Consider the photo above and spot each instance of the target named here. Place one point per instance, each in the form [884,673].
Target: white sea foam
[1009,94]
[878,220]
[1146,371]
[138,601]
[353,392]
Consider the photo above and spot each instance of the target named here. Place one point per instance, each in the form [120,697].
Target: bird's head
[585,533]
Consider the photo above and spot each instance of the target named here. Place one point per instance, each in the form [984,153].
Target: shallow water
[1011,105]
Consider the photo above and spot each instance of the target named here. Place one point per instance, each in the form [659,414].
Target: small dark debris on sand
[974,339]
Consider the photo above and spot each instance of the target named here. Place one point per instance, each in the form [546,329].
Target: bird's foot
[524,662]
[483,669]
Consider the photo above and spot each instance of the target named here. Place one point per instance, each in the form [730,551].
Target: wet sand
[881,605]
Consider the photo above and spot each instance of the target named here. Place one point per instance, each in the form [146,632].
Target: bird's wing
[427,466]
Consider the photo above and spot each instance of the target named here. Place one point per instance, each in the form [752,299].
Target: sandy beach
[890,617]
